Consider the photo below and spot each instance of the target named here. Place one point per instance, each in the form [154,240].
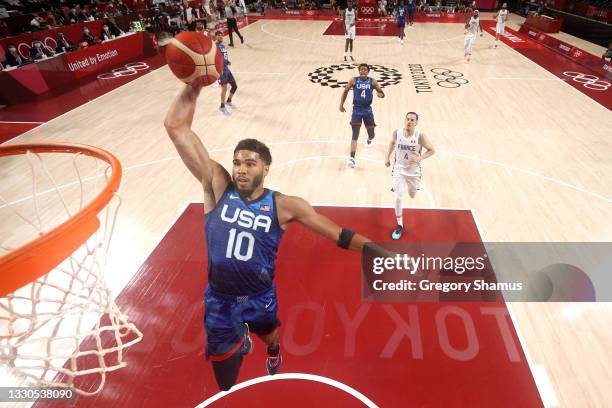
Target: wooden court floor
[530,155]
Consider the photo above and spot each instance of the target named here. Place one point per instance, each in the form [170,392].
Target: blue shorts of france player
[226,77]
[225,315]
[363,113]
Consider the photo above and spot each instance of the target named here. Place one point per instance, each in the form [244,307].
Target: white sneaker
[351,162]
[402,42]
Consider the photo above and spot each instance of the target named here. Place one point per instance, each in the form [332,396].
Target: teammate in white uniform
[406,145]
[501,17]
[471,27]
[349,31]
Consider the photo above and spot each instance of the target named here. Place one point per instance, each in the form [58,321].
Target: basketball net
[62,329]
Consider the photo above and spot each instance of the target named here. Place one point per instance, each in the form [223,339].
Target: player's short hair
[363,64]
[413,113]
[254,145]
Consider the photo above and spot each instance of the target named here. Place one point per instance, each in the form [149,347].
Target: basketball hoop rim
[39,256]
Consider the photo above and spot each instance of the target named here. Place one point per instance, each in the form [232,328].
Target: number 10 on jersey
[235,245]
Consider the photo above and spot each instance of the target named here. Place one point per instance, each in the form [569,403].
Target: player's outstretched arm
[345,92]
[297,209]
[212,175]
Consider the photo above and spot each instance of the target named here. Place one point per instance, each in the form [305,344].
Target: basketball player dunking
[362,87]
[349,31]
[407,144]
[501,17]
[226,77]
[472,27]
[244,226]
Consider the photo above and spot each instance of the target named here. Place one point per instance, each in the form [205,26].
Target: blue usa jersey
[225,57]
[242,239]
[362,92]
[401,15]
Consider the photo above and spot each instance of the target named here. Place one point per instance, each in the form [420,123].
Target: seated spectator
[123,8]
[87,37]
[607,56]
[96,13]
[72,16]
[35,24]
[200,27]
[382,8]
[13,58]
[174,28]
[39,51]
[85,16]
[106,33]
[64,44]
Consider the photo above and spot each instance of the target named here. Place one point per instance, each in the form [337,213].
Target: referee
[232,25]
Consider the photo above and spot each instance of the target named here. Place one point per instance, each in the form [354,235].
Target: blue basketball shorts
[363,113]
[225,315]
[226,77]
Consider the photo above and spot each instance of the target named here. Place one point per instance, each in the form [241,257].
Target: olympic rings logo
[448,79]
[588,81]
[128,70]
[45,43]
[367,10]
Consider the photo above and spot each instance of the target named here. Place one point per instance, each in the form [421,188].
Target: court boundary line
[18,122]
[291,376]
[538,371]
[88,102]
[528,39]
[509,167]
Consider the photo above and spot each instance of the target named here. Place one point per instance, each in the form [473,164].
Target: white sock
[398,210]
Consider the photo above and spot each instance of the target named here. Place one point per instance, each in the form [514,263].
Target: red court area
[396,355]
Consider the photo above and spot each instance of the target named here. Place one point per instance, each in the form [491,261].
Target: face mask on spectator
[105,28]
[86,31]
[12,49]
[37,45]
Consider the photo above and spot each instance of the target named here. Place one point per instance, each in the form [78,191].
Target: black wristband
[344,241]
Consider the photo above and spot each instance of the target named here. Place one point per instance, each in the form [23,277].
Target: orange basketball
[192,55]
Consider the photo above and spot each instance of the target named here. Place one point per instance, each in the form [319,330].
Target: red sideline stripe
[554,62]
[11,130]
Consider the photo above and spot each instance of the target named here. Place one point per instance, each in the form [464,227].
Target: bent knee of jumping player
[226,371]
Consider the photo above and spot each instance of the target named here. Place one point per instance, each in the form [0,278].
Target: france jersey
[362,92]
[226,75]
[225,56]
[242,239]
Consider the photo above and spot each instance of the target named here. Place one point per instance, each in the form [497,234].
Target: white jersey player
[350,18]
[406,146]
[501,17]
[471,27]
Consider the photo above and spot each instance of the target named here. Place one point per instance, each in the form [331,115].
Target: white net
[63,329]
